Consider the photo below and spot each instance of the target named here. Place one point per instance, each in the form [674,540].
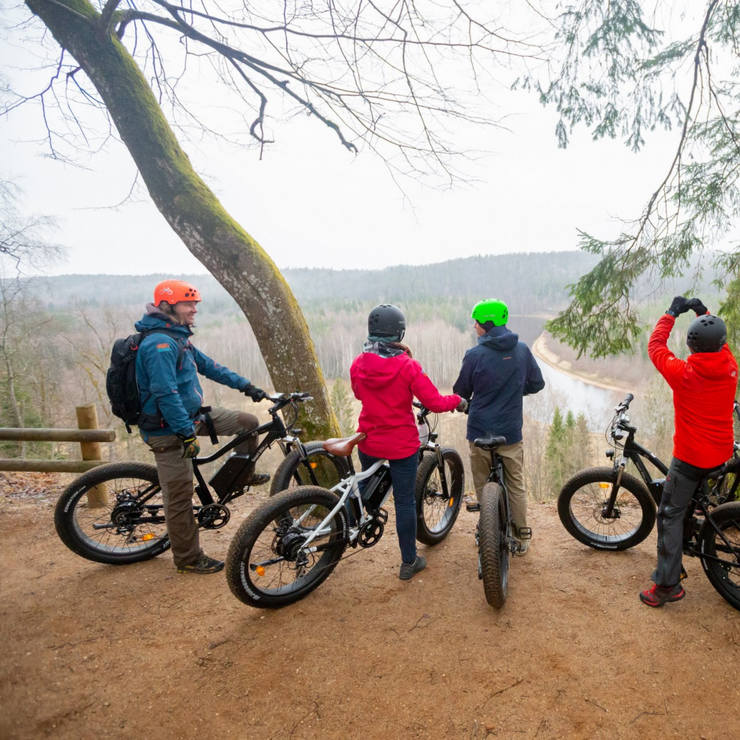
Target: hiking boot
[409,570]
[203,566]
[659,595]
[257,479]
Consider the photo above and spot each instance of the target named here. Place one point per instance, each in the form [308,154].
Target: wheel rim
[587,513]
[437,509]
[127,519]
[503,543]
[281,541]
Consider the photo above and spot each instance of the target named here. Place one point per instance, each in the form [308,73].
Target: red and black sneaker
[659,595]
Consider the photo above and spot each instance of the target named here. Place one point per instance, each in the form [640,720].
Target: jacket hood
[500,339]
[377,371]
[712,365]
[155,319]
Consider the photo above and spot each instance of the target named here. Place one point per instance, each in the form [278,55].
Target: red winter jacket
[386,386]
[703,391]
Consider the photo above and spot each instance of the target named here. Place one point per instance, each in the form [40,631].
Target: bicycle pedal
[472,507]
[525,533]
[684,574]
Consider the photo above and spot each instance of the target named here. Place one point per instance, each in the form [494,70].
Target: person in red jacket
[385,379]
[704,389]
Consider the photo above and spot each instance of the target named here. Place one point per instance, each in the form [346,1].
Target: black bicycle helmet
[386,321]
[706,334]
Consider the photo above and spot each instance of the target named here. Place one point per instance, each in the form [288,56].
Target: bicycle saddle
[490,442]
[342,447]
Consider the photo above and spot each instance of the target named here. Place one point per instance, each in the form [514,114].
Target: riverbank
[542,352]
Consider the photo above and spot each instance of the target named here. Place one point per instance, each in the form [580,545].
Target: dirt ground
[94,651]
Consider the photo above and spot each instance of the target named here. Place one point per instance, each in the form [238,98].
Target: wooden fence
[87,434]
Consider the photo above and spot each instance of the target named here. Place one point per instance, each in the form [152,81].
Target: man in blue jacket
[494,378]
[167,367]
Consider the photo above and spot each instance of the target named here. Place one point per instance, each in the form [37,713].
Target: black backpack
[120,381]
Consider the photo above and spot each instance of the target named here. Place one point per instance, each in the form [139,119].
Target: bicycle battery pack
[376,489]
[232,475]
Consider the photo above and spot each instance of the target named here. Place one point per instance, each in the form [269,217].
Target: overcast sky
[310,203]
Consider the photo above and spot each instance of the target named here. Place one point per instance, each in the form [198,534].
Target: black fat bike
[494,534]
[609,509]
[115,513]
[439,480]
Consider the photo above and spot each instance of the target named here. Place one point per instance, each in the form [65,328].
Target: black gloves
[256,394]
[462,407]
[190,446]
[698,307]
[680,305]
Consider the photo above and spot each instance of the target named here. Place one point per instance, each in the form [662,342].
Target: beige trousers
[512,457]
[176,479]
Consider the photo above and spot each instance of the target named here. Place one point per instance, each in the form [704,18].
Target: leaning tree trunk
[191,208]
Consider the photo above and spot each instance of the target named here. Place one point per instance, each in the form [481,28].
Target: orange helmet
[174,291]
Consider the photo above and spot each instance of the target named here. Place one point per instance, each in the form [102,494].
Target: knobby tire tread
[605,475]
[722,515]
[490,544]
[427,466]
[64,512]
[256,523]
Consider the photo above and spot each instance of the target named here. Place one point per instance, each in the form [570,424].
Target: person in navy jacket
[494,378]
[167,368]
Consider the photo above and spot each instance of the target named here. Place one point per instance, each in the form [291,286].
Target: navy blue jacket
[494,378]
[167,375]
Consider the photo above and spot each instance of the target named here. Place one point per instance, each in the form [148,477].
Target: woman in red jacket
[703,393]
[385,379]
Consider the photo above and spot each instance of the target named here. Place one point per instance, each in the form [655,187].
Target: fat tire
[284,475]
[73,498]
[727,518]
[600,541]
[266,516]
[453,463]
[492,545]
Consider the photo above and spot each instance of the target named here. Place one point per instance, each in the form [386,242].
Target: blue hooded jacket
[495,376]
[167,374]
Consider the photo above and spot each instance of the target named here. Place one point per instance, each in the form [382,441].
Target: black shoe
[203,566]
[258,479]
[409,570]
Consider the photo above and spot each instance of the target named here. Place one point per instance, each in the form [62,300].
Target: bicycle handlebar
[625,404]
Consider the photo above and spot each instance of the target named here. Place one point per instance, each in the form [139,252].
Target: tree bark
[192,209]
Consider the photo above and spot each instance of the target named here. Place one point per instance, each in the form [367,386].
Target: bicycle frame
[346,489]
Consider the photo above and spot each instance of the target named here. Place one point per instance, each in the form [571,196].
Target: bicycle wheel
[725,576]
[114,514]
[582,502]
[266,566]
[321,468]
[436,512]
[493,546]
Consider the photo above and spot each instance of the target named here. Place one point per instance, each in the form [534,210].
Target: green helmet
[491,310]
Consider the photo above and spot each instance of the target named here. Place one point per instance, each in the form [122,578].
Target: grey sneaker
[523,547]
[203,566]
[409,570]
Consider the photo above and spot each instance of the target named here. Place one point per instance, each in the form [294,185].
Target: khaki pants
[512,457]
[176,479]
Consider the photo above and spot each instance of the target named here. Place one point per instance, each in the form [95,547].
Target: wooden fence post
[87,418]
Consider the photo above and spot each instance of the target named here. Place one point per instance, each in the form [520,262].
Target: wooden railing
[87,434]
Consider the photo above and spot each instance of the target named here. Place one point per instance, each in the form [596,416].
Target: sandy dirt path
[94,651]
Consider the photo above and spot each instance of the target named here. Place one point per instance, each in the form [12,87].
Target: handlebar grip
[629,399]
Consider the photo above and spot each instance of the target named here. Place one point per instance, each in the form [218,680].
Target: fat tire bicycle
[495,531]
[609,509]
[439,480]
[289,545]
[711,527]
[114,513]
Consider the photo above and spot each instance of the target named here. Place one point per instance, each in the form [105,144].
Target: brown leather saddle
[342,447]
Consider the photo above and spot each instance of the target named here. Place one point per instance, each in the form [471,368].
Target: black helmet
[388,321]
[706,334]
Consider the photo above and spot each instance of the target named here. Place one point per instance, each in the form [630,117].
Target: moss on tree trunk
[192,209]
